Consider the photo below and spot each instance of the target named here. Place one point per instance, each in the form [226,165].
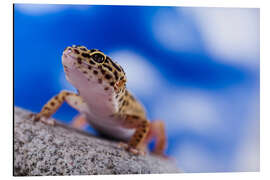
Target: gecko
[104,102]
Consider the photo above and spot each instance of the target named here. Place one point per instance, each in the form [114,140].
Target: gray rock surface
[40,149]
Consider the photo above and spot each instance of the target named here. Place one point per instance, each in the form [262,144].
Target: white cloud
[193,110]
[247,156]
[195,158]
[230,33]
[142,77]
[38,9]
[172,32]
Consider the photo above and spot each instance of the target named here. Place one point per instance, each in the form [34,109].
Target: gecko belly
[111,129]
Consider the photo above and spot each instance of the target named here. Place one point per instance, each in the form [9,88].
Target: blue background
[207,96]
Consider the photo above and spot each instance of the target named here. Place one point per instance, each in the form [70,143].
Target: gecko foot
[132,150]
[45,120]
[162,155]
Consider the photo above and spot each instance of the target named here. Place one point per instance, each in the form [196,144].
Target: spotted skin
[103,101]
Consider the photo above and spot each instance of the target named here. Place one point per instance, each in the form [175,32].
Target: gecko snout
[68,51]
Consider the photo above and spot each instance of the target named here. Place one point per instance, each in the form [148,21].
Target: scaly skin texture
[103,101]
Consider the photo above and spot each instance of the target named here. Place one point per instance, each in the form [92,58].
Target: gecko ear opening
[120,84]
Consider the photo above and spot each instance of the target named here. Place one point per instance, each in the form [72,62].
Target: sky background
[197,69]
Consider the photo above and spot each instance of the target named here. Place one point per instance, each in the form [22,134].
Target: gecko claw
[162,155]
[132,150]
[34,117]
[122,145]
[45,120]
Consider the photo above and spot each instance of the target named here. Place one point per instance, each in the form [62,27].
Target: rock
[40,150]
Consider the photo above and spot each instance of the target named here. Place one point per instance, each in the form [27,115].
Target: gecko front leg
[54,104]
[141,127]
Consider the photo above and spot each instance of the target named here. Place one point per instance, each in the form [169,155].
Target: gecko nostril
[69,51]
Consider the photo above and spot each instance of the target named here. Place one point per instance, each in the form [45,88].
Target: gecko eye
[98,57]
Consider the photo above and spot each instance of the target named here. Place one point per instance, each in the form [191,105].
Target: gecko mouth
[70,61]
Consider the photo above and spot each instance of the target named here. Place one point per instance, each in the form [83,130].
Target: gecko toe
[162,155]
[130,149]
[122,145]
[47,121]
[34,117]
[43,119]
[136,151]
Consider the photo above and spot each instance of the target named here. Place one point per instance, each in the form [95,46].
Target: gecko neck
[101,102]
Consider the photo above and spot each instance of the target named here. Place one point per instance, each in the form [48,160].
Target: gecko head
[94,65]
